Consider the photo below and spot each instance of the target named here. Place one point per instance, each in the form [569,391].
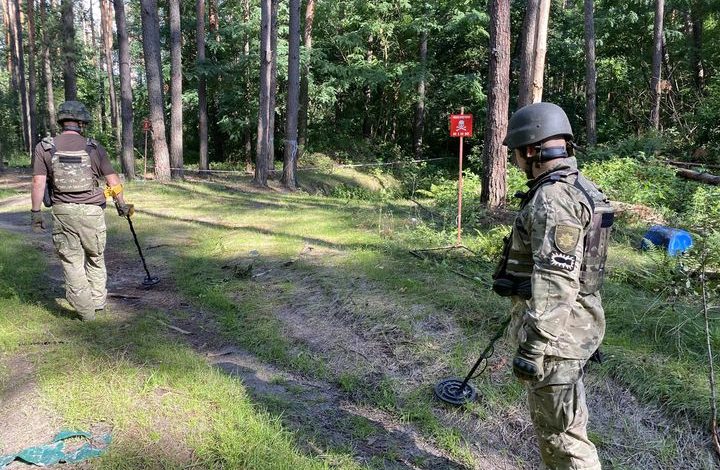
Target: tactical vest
[72,170]
[513,273]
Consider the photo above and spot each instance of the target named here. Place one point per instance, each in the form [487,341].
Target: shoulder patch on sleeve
[562,261]
[566,237]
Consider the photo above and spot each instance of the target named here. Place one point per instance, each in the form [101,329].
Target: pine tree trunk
[527,53]
[293,97]
[655,91]
[18,53]
[151,51]
[304,82]
[590,75]
[494,152]
[32,75]
[10,42]
[47,68]
[540,49]
[273,83]
[248,84]
[127,159]
[217,137]
[262,160]
[202,88]
[97,61]
[419,122]
[107,39]
[176,121]
[69,50]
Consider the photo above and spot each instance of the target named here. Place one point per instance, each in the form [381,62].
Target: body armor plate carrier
[512,276]
[72,170]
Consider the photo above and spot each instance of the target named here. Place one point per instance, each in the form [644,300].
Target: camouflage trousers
[557,407]
[560,416]
[79,236]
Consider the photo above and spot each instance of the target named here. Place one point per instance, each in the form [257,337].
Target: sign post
[460,126]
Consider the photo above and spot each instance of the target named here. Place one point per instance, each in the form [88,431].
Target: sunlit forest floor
[297,331]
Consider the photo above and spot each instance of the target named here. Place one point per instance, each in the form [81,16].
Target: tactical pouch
[507,285]
[47,197]
[597,238]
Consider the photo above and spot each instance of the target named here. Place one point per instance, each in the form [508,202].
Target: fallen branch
[172,327]
[122,296]
[706,178]
[691,164]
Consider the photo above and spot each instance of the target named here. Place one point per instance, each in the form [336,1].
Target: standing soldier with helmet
[552,268]
[70,166]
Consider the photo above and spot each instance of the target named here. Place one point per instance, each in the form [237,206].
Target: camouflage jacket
[548,233]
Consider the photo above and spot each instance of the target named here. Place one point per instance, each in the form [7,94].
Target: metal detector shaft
[137,244]
[482,357]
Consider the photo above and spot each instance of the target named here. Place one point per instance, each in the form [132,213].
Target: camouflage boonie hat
[73,111]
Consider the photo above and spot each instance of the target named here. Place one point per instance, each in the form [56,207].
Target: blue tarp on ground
[53,453]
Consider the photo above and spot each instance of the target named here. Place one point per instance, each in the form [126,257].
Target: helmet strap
[550,153]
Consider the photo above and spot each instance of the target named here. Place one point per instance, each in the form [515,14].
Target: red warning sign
[461,125]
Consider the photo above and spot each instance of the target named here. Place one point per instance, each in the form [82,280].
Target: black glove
[36,221]
[125,210]
[528,361]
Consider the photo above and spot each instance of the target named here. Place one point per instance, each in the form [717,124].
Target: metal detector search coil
[457,391]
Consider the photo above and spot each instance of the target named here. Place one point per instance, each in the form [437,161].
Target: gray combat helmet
[535,123]
[73,111]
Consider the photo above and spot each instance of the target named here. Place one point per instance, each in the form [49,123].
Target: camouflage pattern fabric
[73,111]
[79,236]
[547,245]
[72,172]
[548,231]
[560,416]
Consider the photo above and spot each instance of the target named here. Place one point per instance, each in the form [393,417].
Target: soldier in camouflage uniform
[70,165]
[552,268]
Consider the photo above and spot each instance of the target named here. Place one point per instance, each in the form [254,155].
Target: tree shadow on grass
[322,417]
[260,231]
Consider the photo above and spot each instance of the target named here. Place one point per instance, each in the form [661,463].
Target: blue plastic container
[673,240]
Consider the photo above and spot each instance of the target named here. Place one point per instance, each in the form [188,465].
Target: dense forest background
[379,79]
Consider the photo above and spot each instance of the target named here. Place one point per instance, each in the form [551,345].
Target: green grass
[372,242]
[165,405]
[4,192]
[243,256]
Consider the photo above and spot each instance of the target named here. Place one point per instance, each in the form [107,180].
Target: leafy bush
[639,180]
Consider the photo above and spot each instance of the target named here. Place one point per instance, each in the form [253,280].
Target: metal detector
[458,392]
[149,280]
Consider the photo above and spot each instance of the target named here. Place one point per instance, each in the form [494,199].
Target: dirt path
[359,332]
[323,416]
